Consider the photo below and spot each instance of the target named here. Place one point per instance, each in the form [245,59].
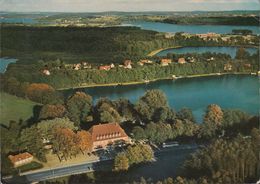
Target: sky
[126,5]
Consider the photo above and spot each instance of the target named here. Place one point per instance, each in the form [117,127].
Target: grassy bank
[14,108]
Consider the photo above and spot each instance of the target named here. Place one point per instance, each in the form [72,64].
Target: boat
[170,144]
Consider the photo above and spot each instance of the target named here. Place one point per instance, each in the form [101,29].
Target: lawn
[14,108]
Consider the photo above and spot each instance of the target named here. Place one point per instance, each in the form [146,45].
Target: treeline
[223,20]
[69,78]
[227,161]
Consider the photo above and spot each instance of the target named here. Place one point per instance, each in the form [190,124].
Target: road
[59,172]
[79,168]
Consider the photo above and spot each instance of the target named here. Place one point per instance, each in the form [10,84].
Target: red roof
[19,157]
[107,67]
[166,60]
[106,131]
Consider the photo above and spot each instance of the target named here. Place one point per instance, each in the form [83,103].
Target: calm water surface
[4,62]
[194,29]
[19,20]
[229,91]
[224,50]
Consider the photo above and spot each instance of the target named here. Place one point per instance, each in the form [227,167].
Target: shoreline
[153,53]
[153,80]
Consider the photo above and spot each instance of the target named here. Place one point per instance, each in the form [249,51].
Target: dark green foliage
[242,31]
[152,104]
[106,111]
[227,161]
[98,45]
[31,166]
[221,20]
[79,106]
[185,113]
[139,133]
[139,153]
[32,142]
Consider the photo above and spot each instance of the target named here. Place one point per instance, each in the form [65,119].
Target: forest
[221,20]
[74,44]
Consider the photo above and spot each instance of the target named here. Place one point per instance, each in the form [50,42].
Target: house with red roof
[20,159]
[103,135]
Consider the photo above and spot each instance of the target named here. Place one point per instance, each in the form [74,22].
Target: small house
[20,159]
[86,65]
[165,62]
[46,72]
[77,66]
[247,65]
[145,61]
[181,60]
[105,67]
[228,67]
[128,64]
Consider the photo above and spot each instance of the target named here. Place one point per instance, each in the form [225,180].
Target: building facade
[103,135]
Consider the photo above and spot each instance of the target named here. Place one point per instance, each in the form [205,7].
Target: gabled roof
[19,157]
[106,131]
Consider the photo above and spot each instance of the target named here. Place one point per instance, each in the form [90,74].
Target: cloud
[126,5]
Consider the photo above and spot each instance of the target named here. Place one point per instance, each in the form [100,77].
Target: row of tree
[65,77]
[228,161]
[134,154]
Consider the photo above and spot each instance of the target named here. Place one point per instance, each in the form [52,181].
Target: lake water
[4,62]
[228,91]
[194,29]
[19,20]
[224,50]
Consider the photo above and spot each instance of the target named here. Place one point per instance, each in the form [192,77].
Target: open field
[14,108]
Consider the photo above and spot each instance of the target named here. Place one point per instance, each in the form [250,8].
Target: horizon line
[3,11]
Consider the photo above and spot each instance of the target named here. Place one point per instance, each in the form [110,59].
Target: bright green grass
[14,108]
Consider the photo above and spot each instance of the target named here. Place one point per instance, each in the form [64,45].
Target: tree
[185,113]
[121,162]
[52,111]
[139,153]
[84,140]
[42,93]
[32,142]
[79,106]
[214,115]
[242,53]
[107,112]
[64,142]
[212,122]
[47,127]
[139,133]
[125,108]
[152,101]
